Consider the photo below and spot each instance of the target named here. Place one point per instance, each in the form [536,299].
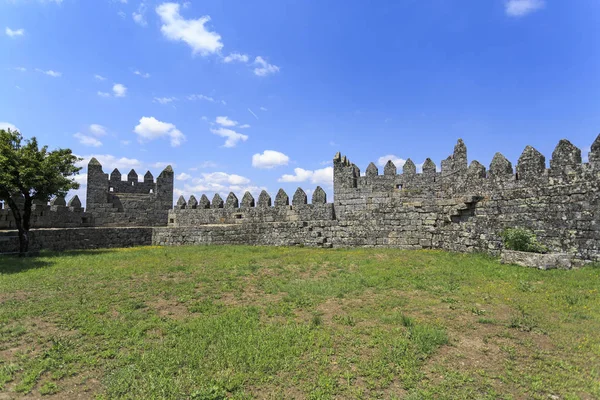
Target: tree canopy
[28,173]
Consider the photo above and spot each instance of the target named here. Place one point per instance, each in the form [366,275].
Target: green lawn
[260,322]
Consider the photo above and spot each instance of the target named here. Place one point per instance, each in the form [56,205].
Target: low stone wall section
[78,238]
[246,215]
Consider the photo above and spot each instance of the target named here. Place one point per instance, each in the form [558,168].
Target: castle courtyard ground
[242,322]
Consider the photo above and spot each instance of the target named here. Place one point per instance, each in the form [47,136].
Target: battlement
[54,214]
[232,211]
[460,206]
[132,184]
[456,175]
[114,201]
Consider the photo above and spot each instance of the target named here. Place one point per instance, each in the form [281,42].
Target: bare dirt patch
[36,331]
[169,308]
[19,295]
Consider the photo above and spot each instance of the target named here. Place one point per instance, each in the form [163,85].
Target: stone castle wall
[460,207]
[463,207]
[231,212]
[56,214]
[60,239]
[114,202]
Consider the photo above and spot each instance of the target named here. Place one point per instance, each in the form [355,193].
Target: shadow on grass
[13,264]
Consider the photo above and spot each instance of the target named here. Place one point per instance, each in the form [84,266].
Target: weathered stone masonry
[114,202]
[463,207]
[111,201]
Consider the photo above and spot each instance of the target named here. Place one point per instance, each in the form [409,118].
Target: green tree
[29,173]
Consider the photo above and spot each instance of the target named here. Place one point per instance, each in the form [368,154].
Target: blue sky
[239,94]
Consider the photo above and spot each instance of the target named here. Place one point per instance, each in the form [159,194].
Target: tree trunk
[22,223]
[23,242]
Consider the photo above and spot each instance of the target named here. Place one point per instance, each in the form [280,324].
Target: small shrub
[316,320]
[521,239]
[407,321]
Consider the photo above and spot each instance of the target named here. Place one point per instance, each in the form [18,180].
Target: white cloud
[87,140]
[125,142]
[81,179]
[164,100]
[520,8]
[225,121]
[222,177]
[263,109]
[99,77]
[219,182]
[263,67]
[139,19]
[191,31]
[144,75]
[50,72]
[398,162]
[20,69]
[13,33]
[183,176]
[269,159]
[232,136]
[97,130]
[122,14]
[103,94]
[194,97]
[109,161]
[245,126]
[323,176]
[236,57]
[139,16]
[119,90]
[162,164]
[150,128]
[7,126]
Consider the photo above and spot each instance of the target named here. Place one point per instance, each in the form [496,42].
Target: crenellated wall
[461,207]
[205,212]
[56,214]
[114,202]
[465,208]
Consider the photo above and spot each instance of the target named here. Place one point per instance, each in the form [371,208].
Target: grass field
[258,322]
